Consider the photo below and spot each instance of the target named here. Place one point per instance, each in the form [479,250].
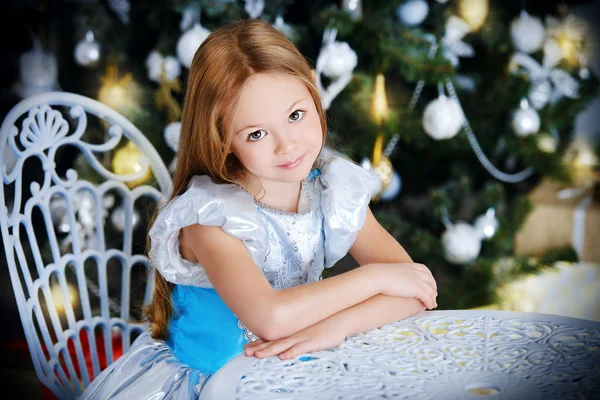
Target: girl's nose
[286,144]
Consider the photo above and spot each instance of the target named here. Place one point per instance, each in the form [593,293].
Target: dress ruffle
[344,199]
[210,204]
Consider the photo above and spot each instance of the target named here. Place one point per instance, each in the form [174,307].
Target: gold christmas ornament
[128,160]
[379,105]
[381,165]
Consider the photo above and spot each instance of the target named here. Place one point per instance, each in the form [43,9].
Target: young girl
[255,215]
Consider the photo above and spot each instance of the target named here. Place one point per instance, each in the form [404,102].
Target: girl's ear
[314,76]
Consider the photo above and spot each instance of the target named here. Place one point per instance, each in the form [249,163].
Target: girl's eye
[257,135]
[296,116]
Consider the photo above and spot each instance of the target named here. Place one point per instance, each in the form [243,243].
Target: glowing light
[116,92]
[60,303]
[474,12]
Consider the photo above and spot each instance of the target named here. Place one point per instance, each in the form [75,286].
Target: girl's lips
[294,163]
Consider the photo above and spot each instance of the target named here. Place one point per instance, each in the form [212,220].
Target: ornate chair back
[75,247]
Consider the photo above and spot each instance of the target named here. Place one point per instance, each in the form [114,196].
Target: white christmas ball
[171,133]
[172,67]
[461,243]
[487,225]
[341,59]
[442,118]
[413,12]
[118,218]
[393,188]
[154,63]
[38,72]
[526,121]
[539,94]
[87,51]
[527,33]
[189,42]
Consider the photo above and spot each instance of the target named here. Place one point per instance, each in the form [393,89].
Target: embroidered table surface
[433,355]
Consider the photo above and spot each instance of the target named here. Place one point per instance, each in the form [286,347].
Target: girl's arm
[273,314]
[373,245]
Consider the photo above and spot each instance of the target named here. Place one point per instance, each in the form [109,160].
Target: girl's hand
[320,336]
[410,280]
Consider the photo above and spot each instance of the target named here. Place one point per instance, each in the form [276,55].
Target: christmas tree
[458,108]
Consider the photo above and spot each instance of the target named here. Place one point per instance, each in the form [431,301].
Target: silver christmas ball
[189,42]
[539,94]
[525,121]
[392,189]
[87,51]
[461,243]
[341,59]
[487,224]
[413,12]
[118,218]
[527,33]
[442,118]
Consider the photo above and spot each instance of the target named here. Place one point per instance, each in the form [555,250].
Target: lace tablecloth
[433,355]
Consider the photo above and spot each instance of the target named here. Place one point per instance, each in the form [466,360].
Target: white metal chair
[53,254]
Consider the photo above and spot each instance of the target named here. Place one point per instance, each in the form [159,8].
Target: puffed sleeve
[210,204]
[345,197]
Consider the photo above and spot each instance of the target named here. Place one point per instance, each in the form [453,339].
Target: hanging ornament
[337,61]
[129,161]
[487,224]
[118,218]
[525,120]
[461,243]
[388,182]
[393,188]
[87,51]
[539,94]
[38,71]
[546,76]
[474,12]
[353,7]
[454,46]
[443,118]
[285,28]
[527,33]
[155,63]
[254,8]
[189,42]
[121,8]
[412,12]
[171,134]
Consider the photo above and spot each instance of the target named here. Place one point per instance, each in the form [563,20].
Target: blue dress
[289,248]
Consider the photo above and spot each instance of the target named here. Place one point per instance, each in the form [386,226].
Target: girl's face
[276,127]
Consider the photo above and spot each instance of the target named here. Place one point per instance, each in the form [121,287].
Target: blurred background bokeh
[478,119]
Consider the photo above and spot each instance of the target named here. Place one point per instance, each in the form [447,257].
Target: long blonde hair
[221,65]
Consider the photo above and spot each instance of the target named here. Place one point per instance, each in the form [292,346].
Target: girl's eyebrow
[294,104]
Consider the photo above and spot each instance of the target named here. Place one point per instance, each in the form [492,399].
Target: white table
[433,355]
